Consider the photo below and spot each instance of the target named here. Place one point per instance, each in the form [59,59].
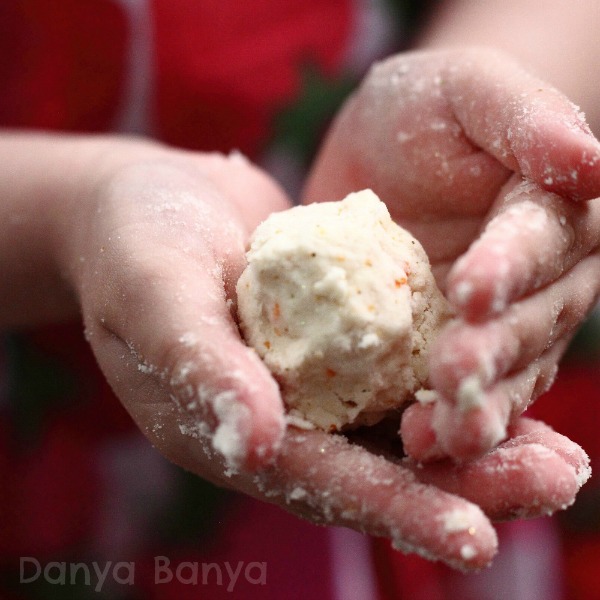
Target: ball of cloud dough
[341,305]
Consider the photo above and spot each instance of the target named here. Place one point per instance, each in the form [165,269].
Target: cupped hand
[495,172]
[160,245]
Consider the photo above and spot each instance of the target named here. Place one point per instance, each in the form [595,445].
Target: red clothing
[221,70]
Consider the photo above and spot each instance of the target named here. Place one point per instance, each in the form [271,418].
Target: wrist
[46,184]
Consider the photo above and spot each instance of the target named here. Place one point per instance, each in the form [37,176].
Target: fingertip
[474,548]
[463,362]
[247,442]
[547,482]
[522,248]
[264,426]
[518,481]
[238,403]
[482,282]
[462,537]
[418,436]
[476,293]
[266,437]
[467,434]
[562,158]
[525,430]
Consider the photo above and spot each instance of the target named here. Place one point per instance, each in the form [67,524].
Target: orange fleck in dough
[276,311]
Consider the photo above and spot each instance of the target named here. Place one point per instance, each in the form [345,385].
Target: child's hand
[154,264]
[153,248]
[484,164]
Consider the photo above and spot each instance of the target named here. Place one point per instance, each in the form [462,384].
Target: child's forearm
[558,40]
[37,191]
[45,180]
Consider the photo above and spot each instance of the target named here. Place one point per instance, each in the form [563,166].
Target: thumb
[190,363]
[529,126]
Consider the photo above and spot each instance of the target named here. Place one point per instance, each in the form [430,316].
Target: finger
[468,370]
[533,474]
[329,480]
[325,479]
[419,439]
[534,238]
[526,124]
[479,420]
[525,430]
[489,350]
[483,416]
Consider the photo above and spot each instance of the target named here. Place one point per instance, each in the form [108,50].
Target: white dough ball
[341,305]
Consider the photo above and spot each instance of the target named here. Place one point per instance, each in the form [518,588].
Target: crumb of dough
[341,305]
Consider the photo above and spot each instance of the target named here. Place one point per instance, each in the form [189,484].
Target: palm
[157,266]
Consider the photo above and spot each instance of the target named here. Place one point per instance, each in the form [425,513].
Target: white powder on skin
[470,394]
[468,552]
[582,474]
[230,438]
[231,435]
[426,396]
[341,305]
[459,519]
